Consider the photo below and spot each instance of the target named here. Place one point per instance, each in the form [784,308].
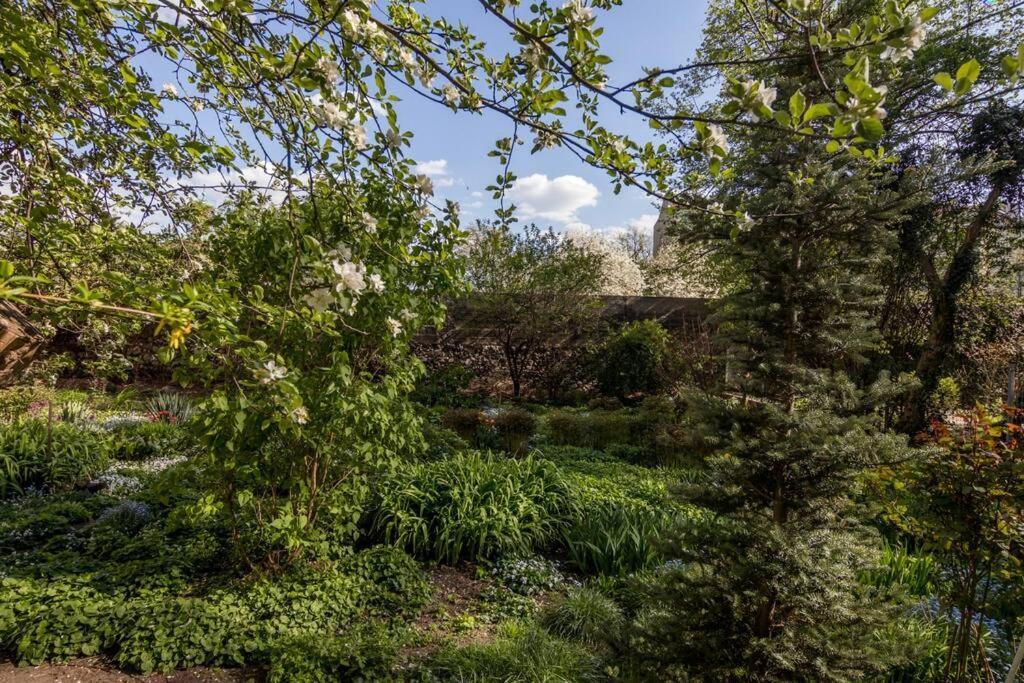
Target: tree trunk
[19,343]
[945,292]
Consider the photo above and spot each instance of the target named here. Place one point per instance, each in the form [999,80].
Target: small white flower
[299,415]
[169,90]
[451,95]
[715,138]
[619,145]
[395,326]
[426,75]
[424,185]
[578,12]
[198,104]
[333,115]
[746,222]
[319,299]
[916,34]
[328,69]
[407,315]
[357,136]
[897,54]
[533,55]
[716,207]
[350,276]
[272,372]
[376,282]
[369,222]
[351,23]
[757,95]
[406,58]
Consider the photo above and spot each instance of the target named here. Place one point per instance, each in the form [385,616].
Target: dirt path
[93,671]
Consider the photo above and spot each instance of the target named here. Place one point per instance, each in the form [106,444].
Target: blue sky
[555,187]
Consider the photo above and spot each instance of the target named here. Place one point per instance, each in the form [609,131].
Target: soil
[95,671]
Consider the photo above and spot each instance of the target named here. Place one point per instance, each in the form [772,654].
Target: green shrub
[521,653]
[146,440]
[648,434]
[472,506]
[393,582]
[441,442]
[583,614]
[365,653]
[53,456]
[636,360]
[514,427]
[899,570]
[466,422]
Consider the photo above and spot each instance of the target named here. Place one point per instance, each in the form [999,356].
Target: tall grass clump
[473,506]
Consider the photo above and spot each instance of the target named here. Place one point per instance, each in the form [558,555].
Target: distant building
[661,227]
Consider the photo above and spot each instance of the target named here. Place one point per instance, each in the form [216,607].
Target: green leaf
[832,147]
[797,105]
[944,80]
[969,71]
[871,128]
[817,111]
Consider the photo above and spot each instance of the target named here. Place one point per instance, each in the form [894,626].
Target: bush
[441,442]
[647,434]
[521,653]
[133,440]
[465,422]
[53,456]
[365,653]
[583,614]
[393,582]
[636,360]
[514,427]
[472,506]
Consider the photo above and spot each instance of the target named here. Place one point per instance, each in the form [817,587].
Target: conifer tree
[767,588]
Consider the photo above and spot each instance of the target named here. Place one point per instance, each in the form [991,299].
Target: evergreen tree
[767,589]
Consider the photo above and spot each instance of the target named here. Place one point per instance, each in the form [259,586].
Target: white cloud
[444,182]
[433,169]
[556,199]
[643,223]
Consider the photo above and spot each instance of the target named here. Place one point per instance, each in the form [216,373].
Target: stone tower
[661,227]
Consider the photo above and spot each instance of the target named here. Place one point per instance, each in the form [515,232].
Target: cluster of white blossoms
[424,185]
[169,90]
[328,69]
[758,95]
[533,55]
[578,12]
[340,118]
[348,280]
[395,326]
[620,274]
[911,42]
[452,96]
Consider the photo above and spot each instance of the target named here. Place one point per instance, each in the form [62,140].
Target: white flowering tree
[114,112]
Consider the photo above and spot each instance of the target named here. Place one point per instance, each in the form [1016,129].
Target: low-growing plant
[528,576]
[143,440]
[49,455]
[393,582]
[473,506]
[583,614]
[363,653]
[521,653]
[170,406]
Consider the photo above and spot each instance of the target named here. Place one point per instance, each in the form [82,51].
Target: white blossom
[169,90]
[328,69]
[352,24]
[407,59]
[533,55]
[351,276]
[715,138]
[319,299]
[198,104]
[333,115]
[620,275]
[357,136]
[369,222]
[272,372]
[911,42]
[425,185]
[376,282]
[757,95]
[578,12]
[451,95]
[339,253]
[395,326]
[299,415]
[407,315]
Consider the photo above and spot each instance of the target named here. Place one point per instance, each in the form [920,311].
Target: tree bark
[19,343]
[944,291]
